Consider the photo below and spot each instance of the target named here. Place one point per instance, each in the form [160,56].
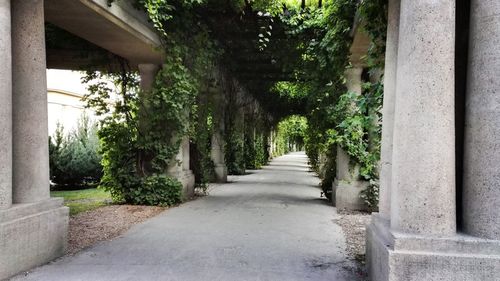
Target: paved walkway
[268,225]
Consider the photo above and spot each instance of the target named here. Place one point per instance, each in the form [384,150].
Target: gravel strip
[354,226]
[105,223]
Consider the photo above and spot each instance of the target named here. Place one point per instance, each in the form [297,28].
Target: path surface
[268,225]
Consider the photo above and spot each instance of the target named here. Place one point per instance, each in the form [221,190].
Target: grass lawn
[83,200]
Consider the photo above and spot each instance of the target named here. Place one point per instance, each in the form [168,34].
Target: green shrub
[74,158]
[234,149]
[158,190]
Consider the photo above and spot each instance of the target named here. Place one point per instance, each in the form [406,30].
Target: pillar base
[188,181]
[397,257]
[31,235]
[220,173]
[347,195]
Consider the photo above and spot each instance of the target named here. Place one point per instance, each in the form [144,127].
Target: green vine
[142,134]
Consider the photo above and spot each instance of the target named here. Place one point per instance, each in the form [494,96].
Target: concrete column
[481,185]
[185,154]
[423,162]
[5,107]
[391,60]
[353,84]
[217,152]
[343,170]
[218,157]
[29,99]
[353,79]
[148,75]
[347,186]
[176,166]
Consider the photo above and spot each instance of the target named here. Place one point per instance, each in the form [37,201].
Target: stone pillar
[217,152]
[239,133]
[175,167]
[148,75]
[353,79]
[185,154]
[391,60]
[5,107]
[423,161]
[179,168]
[34,229]
[29,99]
[347,186]
[420,242]
[481,185]
[217,155]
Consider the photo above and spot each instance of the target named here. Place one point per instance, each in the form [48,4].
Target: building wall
[65,105]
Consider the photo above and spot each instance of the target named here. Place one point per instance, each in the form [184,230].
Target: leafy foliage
[291,132]
[135,157]
[314,56]
[374,16]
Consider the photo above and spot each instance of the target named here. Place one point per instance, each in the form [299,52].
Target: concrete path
[268,225]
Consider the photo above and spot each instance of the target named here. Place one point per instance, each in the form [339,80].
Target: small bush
[157,190]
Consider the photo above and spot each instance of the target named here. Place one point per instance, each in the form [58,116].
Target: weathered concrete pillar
[353,79]
[175,167]
[217,153]
[148,75]
[185,154]
[421,242]
[239,135]
[423,161]
[481,185]
[391,60]
[34,229]
[347,186]
[30,118]
[179,168]
[5,107]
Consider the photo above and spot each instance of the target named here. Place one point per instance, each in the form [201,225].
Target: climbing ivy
[291,132]
[335,116]
[318,40]
[142,132]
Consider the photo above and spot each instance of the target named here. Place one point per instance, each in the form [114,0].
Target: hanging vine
[143,133]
